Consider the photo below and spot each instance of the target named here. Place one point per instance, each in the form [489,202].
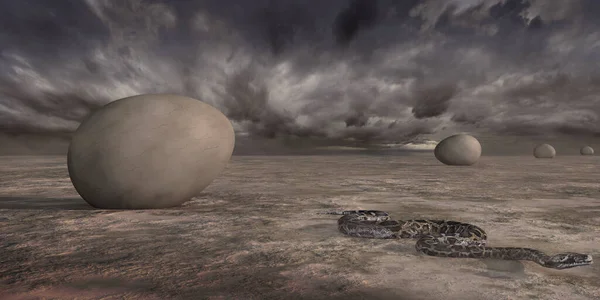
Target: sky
[305,73]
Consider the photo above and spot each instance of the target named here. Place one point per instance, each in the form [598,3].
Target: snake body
[444,238]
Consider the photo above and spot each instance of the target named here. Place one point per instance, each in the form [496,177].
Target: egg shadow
[43,203]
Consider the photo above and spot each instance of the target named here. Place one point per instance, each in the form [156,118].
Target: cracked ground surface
[254,232]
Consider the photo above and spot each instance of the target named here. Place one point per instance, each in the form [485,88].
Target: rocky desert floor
[254,232]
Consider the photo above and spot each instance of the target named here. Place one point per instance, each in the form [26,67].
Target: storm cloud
[378,71]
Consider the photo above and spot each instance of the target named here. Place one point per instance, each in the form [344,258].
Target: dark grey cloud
[339,71]
[359,14]
[433,101]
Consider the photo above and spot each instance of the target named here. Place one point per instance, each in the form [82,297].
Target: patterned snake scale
[447,239]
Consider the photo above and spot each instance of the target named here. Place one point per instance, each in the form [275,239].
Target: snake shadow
[503,269]
[44,203]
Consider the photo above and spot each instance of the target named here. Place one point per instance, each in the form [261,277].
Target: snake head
[569,260]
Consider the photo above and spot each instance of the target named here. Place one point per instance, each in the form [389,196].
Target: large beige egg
[149,151]
[587,150]
[458,150]
[544,151]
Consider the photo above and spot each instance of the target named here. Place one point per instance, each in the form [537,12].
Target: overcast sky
[374,71]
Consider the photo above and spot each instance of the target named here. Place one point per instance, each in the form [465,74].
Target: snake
[445,238]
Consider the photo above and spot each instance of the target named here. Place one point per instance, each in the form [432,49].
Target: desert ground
[254,232]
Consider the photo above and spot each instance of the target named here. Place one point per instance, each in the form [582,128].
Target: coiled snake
[447,239]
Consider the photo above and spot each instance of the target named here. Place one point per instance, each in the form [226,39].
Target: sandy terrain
[254,233]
